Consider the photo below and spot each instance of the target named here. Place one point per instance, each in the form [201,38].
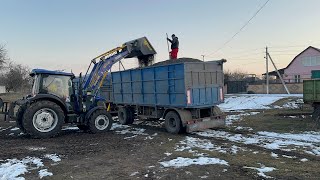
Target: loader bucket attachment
[142,49]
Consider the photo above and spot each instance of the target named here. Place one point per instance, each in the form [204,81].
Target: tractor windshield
[56,84]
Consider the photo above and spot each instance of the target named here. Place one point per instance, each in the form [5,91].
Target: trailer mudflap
[206,123]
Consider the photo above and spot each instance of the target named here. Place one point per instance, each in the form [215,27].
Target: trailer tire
[100,121]
[173,123]
[125,115]
[19,120]
[43,119]
[316,113]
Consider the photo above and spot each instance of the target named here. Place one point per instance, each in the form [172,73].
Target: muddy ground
[135,152]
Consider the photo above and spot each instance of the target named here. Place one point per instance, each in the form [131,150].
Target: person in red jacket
[174,46]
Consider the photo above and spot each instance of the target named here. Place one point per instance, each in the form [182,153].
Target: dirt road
[145,151]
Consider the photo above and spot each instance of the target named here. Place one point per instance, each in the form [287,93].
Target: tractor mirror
[1,103]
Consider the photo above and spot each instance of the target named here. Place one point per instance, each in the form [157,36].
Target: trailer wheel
[43,119]
[19,120]
[173,123]
[100,121]
[316,112]
[125,115]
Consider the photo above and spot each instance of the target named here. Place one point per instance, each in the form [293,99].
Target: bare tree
[235,75]
[17,78]
[3,56]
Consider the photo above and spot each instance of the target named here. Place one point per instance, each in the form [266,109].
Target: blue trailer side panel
[163,85]
[166,86]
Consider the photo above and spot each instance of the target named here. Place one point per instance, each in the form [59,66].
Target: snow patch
[118,126]
[252,101]
[148,137]
[183,162]
[274,155]
[13,168]
[191,143]
[4,129]
[307,136]
[262,170]
[71,128]
[203,177]
[304,160]
[237,117]
[14,129]
[130,137]
[136,131]
[53,157]
[292,104]
[243,128]
[36,148]
[290,157]
[134,173]
[308,141]
[44,173]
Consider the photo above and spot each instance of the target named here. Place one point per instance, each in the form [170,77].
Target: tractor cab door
[57,85]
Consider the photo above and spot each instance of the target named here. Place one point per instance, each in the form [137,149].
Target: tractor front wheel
[43,119]
[100,121]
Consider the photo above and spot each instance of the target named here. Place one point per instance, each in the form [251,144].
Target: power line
[246,55]
[228,41]
[294,46]
[244,52]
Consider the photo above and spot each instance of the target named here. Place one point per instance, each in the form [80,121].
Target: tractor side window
[35,87]
[57,85]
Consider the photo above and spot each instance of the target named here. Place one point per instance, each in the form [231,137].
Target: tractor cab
[54,85]
[52,82]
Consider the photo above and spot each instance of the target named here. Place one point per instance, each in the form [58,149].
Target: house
[298,69]
[301,66]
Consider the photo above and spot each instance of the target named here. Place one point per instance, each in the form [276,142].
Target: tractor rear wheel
[100,121]
[43,119]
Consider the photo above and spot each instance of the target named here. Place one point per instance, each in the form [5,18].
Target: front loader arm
[140,48]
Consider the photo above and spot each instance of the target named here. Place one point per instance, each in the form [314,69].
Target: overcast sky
[64,34]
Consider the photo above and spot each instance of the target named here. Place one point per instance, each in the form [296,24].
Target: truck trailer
[184,94]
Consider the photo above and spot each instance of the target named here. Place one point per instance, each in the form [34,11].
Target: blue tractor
[58,97]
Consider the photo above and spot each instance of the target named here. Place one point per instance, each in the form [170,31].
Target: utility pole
[282,81]
[267,71]
[202,58]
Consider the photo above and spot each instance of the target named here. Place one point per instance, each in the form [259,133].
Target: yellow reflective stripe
[110,52]
[109,107]
[104,76]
